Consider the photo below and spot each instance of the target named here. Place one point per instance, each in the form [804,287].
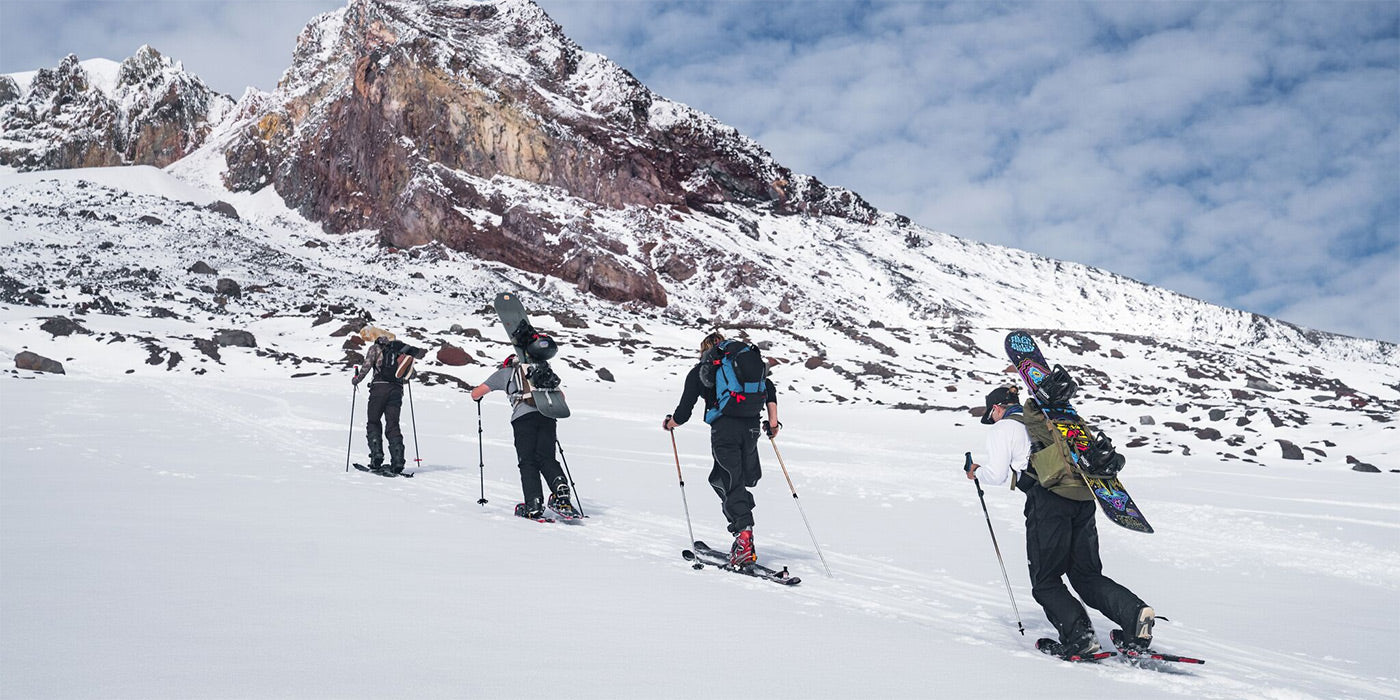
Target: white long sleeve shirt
[1008,448]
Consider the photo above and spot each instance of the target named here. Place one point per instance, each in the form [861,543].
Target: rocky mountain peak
[144,111]
[414,118]
[146,65]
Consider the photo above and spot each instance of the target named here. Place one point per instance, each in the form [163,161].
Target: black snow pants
[734,445]
[385,401]
[1061,539]
[534,450]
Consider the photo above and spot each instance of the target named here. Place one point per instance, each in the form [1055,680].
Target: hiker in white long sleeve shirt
[1061,538]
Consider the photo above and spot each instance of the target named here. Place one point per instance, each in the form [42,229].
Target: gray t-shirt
[504,379]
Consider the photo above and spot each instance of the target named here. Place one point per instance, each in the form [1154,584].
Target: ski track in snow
[293,435]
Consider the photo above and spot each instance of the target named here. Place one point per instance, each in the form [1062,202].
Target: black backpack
[388,368]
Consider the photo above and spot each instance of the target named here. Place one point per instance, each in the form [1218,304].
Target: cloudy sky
[1243,153]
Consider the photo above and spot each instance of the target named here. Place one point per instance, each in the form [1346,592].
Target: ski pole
[797,500]
[684,502]
[572,488]
[481,455]
[353,393]
[414,421]
[967,467]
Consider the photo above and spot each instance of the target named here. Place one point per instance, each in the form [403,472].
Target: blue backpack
[739,376]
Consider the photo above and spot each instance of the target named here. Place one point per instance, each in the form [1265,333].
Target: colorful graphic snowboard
[1109,492]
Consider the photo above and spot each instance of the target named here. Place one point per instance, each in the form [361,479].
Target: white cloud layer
[1243,153]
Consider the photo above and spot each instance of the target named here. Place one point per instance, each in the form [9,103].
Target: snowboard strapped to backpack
[739,376]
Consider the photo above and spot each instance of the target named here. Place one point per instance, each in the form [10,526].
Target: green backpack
[1054,467]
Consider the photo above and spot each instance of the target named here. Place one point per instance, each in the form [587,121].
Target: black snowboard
[548,401]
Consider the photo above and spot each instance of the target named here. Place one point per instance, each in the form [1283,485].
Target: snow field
[210,544]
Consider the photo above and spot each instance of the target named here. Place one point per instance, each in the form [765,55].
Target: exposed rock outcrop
[144,111]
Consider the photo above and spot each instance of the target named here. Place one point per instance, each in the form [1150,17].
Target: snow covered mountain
[441,151]
[145,110]
[479,126]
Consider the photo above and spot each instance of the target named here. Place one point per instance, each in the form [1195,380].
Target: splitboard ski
[383,472]
[567,515]
[532,352]
[704,554]
[1055,649]
[1136,653]
[1117,505]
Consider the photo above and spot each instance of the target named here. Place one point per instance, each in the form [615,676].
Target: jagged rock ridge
[144,111]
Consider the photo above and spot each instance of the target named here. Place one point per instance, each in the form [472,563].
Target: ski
[383,472]
[1137,654]
[1049,646]
[569,515]
[704,554]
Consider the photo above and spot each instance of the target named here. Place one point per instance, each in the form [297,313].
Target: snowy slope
[179,527]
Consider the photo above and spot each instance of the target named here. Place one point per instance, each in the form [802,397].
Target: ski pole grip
[967,465]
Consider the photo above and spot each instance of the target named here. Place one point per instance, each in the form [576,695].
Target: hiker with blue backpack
[732,377]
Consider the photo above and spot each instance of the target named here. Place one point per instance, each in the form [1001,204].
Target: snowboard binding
[1101,459]
[1057,389]
[542,377]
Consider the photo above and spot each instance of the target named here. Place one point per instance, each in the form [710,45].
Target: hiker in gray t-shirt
[534,441]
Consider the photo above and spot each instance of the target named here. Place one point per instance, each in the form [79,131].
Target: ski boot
[742,553]
[1145,619]
[530,509]
[1083,647]
[396,456]
[561,503]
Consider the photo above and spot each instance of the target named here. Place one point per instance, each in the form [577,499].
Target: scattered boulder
[202,268]
[1208,434]
[209,348]
[59,325]
[1146,420]
[1217,414]
[605,375]
[1360,466]
[242,339]
[38,363]
[814,362]
[1260,385]
[454,356]
[223,208]
[351,328]
[151,220]
[1290,450]
[228,288]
